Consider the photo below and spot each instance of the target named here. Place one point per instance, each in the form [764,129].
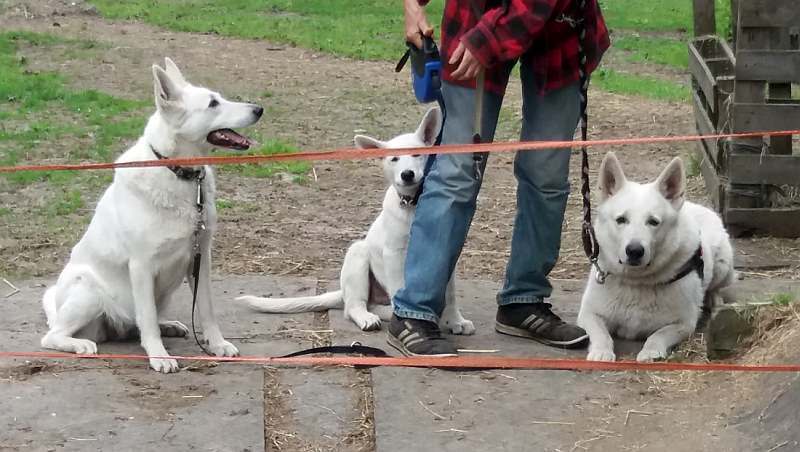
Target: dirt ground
[280,227]
[317,101]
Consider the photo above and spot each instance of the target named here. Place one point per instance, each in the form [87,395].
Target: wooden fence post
[705,22]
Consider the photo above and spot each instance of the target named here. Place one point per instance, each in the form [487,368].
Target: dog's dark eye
[653,222]
[394,159]
[622,220]
[213,103]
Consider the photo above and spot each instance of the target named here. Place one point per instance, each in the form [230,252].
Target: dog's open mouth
[227,138]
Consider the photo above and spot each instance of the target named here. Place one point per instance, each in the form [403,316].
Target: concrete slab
[97,405]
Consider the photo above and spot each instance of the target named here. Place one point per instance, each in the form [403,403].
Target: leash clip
[600,275]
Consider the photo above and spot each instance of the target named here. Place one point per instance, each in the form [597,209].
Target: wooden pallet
[746,91]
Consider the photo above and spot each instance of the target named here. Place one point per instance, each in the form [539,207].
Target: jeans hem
[404,313]
[524,299]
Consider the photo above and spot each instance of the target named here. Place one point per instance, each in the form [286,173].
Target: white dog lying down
[381,255]
[664,256]
[139,245]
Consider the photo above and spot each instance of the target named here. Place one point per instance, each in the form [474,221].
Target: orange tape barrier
[357,154]
[459,362]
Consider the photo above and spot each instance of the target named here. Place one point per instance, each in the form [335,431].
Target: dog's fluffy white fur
[647,233]
[137,249]
[381,254]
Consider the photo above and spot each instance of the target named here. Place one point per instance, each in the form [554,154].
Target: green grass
[782,299]
[49,111]
[645,49]
[297,169]
[29,97]
[64,203]
[365,29]
[622,83]
[373,29]
[660,16]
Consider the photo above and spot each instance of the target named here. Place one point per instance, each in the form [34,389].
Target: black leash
[197,176]
[200,225]
[590,245]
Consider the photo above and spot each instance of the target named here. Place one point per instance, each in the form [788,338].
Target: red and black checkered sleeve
[505,35]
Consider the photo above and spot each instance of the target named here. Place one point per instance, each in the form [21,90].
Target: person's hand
[417,24]
[468,67]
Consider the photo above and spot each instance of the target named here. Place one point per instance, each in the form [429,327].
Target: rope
[362,154]
[462,362]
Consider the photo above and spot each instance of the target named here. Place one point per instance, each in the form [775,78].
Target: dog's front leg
[143,286]
[394,262]
[451,317]
[659,343]
[208,321]
[601,345]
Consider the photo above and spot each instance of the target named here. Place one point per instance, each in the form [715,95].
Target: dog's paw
[84,347]
[601,355]
[223,348]
[650,354]
[165,366]
[460,326]
[173,328]
[367,321]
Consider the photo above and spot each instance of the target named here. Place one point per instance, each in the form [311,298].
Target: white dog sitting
[381,255]
[663,257]
[140,244]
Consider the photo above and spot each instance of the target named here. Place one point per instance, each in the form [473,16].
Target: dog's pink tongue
[227,138]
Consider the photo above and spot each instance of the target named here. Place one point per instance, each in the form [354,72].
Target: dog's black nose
[407,176]
[258,111]
[635,252]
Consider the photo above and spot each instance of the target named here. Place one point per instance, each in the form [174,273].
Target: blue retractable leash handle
[426,79]
[426,69]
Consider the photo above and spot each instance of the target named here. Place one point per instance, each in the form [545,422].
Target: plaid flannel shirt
[533,31]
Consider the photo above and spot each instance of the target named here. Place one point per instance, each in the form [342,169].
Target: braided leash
[590,245]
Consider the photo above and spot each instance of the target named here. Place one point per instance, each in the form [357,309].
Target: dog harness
[694,264]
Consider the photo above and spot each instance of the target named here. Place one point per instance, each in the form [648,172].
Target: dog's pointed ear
[365,142]
[611,178]
[672,183]
[429,128]
[174,72]
[165,88]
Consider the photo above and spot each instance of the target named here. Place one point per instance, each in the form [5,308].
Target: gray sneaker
[413,337]
[536,321]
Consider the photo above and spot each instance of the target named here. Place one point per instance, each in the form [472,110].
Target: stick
[13,292]
[436,415]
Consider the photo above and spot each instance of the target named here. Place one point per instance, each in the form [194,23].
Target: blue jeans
[447,203]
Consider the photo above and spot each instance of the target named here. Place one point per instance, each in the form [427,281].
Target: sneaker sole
[520,332]
[394,342]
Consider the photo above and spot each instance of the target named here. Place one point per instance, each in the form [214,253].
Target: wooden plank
[747,92]
[750,117]
[713,188]
[780,41]
[768,65]
[768,13]
[706,127]
[705,22]
[734,20]
[773,222]
[767,169]
[703,76]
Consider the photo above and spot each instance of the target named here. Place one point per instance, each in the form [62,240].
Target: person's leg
[443,215]
[542,191]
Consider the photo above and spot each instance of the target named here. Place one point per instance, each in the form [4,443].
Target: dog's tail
[330,300]
[49,304]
